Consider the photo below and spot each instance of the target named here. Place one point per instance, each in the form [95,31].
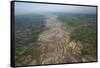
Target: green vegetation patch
[87,36]
[34,51]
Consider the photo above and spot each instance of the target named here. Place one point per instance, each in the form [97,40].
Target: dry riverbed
[55,43]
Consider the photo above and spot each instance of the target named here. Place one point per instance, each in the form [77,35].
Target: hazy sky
[26,8]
